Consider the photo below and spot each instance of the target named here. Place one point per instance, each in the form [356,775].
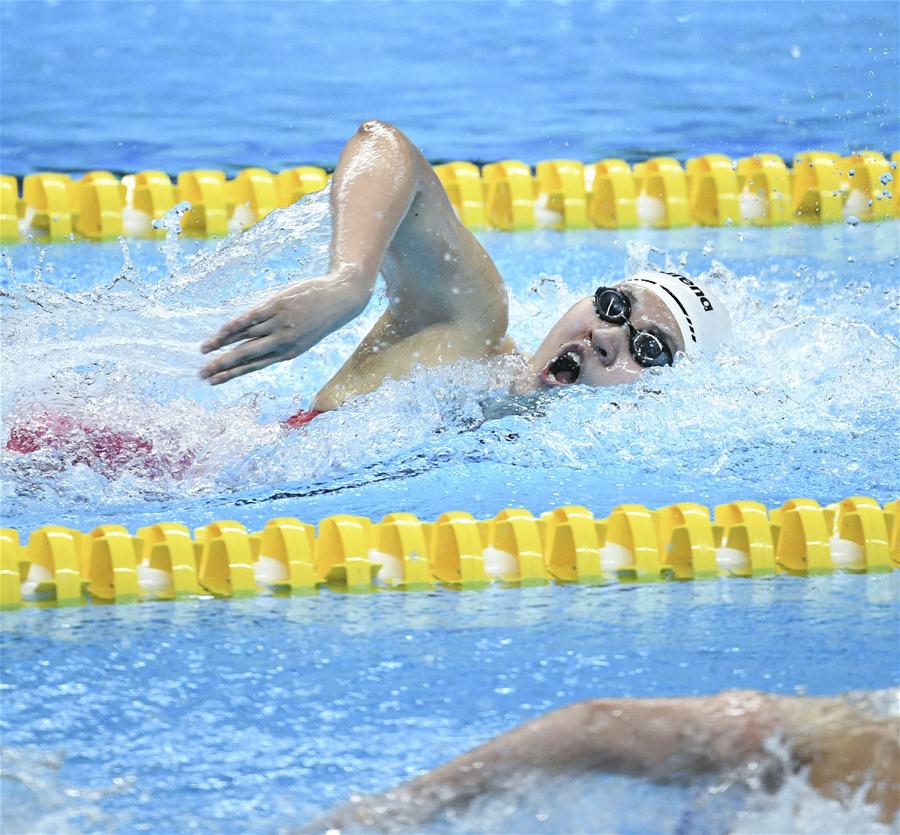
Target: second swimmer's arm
[662,739]
[373,187]
[842,752]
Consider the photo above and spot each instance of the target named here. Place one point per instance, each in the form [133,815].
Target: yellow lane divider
[710,190]
[60,567]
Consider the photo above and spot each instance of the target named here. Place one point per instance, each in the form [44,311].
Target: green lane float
[709,190]
[684,541]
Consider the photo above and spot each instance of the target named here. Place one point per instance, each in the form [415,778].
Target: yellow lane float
[684,541]
[710,190]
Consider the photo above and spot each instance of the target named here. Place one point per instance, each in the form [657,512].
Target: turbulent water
[803,402]
[360,693]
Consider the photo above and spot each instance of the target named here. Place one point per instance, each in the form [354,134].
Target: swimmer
[446,299]
[843,749]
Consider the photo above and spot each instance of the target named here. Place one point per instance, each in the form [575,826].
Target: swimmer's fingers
[223,368]
[240,370]
[253,332]
[255,323]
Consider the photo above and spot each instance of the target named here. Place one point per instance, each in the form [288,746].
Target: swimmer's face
[583,349]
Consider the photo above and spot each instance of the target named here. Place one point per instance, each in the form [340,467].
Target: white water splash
[798,402]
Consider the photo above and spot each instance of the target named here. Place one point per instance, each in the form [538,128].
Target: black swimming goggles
[647,348]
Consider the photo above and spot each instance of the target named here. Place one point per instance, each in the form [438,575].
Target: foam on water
[800,401]
[588,804]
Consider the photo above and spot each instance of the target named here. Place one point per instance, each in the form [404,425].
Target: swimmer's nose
[609,342]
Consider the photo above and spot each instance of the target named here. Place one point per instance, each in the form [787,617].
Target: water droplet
[852,220]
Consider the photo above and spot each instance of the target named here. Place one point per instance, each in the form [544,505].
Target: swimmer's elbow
[375,128]
[374,125]
[387,144]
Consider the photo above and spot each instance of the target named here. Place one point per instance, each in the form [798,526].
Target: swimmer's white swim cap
[702,318]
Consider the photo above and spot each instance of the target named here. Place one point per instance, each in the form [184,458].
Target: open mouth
[565,369]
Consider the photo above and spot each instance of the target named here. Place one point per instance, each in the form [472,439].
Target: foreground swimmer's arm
[373,186]
[660,739]
[390,214]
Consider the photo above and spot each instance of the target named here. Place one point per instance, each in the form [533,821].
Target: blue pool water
[253,715]
[176,85]
[239,716]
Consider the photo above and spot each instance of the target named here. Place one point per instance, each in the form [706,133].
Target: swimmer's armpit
[660,739]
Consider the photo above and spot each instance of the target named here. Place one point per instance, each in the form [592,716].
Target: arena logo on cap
[705,303]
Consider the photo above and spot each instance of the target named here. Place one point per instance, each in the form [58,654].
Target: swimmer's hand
[286,325]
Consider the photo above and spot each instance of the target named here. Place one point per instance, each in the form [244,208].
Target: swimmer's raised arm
[660,739]
[373,185]
[390,215]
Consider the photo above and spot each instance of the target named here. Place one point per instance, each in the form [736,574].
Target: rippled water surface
[235,716]
[176,85]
